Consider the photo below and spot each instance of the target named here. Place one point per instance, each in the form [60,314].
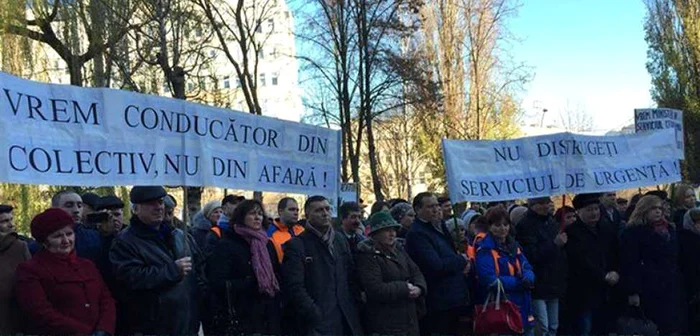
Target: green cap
[382,220]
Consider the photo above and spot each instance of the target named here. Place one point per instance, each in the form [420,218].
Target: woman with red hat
[58,292]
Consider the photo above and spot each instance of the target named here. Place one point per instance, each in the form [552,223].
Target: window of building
[227,82]
[190,86]
[238,82]
[198,32]
[275,77]
[271,25]
[258,29]
[212,53]
[286,14]
[261,53]
[202,84]
[262,79]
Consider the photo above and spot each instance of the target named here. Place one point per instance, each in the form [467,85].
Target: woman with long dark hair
[243,276]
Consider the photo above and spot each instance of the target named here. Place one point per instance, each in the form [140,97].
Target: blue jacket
[88,243]
[442,267]
[513,284]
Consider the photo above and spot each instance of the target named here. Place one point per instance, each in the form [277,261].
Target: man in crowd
[608,210]
[113,209]
[88,243]
[229,203]
[543,244]
[622,204]
[158,271]
[350,221]
[91,204]
[318,276]
[13,252]
[286,226]
[593,253]
[431,246]
[170,218]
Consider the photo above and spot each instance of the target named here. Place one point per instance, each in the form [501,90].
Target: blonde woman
[649,266]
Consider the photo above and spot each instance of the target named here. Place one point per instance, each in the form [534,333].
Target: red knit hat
[48,222]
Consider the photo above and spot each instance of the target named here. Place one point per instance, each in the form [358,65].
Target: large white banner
[67,135]
[650,120]
[557,164]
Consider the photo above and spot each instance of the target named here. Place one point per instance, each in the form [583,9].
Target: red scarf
[262,266]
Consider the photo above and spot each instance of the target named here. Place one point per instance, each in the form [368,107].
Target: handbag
[634,322]
[498,317]
[226,323]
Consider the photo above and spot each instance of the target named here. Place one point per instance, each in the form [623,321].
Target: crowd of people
[411,268]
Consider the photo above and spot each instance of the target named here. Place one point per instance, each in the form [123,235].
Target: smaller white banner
[647,120]
[559,163]
[348,193]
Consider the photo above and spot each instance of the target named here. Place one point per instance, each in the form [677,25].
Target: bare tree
[174,40]
[575,118]
[44,20]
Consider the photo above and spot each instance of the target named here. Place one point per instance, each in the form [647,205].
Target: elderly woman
[204,220]
[499,257]
[392,282]
[243,276]
[59,292]
[649,266]
[683,200]
[403,214]
[689,253]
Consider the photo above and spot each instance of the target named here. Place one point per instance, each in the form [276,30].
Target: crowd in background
[411,268]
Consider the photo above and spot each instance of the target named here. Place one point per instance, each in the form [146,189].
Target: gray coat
[319,286]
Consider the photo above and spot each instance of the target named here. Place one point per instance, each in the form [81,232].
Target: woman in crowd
[689,239]
[649,266]
[499,257]
[59,292]
[204,220]
[565,215]
[392,282]
[403,214]
[683,200]
[242,270]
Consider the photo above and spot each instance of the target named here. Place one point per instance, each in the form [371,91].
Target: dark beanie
[584,200]
[48,222]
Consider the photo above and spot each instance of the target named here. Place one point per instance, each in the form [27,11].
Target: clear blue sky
[590,53]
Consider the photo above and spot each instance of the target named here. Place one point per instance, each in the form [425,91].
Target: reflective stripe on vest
[471,249]
[216,230]
[511,268]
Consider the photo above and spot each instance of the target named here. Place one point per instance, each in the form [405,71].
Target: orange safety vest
[471,248]
[512,269]
[216,230]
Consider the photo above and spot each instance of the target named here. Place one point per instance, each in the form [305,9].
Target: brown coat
[12,253]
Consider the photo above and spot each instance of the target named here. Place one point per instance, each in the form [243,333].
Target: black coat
[320,286]
[690,268]
[616,219]
[153,298]
[649,264]
[230,262]
[536,236]
[591,255]
[383,277]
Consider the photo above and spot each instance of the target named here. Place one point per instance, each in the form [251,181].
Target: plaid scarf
[326,238]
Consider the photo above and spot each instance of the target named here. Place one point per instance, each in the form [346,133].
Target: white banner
[557,164]
[67,135]
[646,120]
